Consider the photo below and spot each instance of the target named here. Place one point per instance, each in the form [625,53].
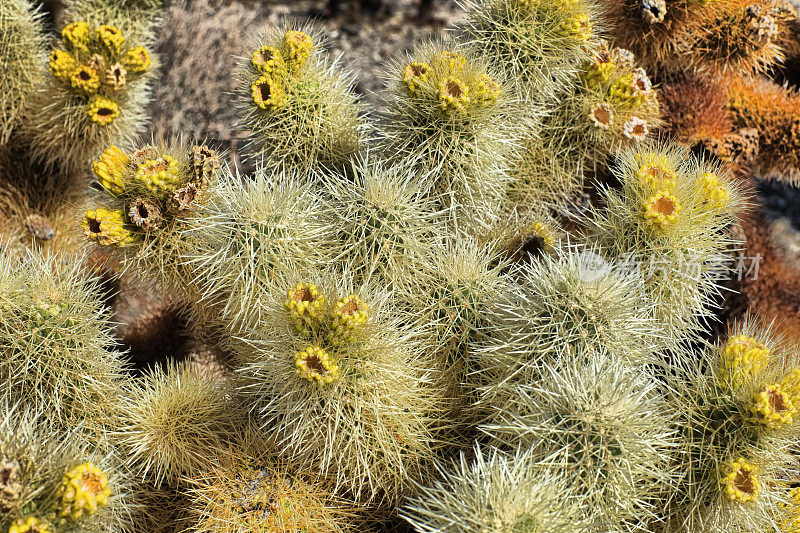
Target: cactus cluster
[486,307]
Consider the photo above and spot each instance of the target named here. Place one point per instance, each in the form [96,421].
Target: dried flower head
[10,487]
[662,209]
[635,129]
[62,64]
[602,116]
[145,214]
[102,110]
[39,227]
[85,80]
[654,11]
[773,406]
[183,199]
[315,365]
[137,59]
[268,93]
[205,164]
[116,76]
[106,227]
[740,481]
[83,490]
[111,38]
[268,60]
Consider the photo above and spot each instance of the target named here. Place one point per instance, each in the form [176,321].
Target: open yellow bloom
[137,59]
[62,64]
[662,209]
[160,175]
[714,192]
[268,60]
[773,406]
[453,61]
[656,172]
[76,34]
[305,303]
[110,169]
[268,93]
[102,110]
[111,38]
[743,357]
[297,47]
[85,79]
[740,482]
[414,74]
[29,524]
[453,94]
[107,227]
[314,364]
[84,490]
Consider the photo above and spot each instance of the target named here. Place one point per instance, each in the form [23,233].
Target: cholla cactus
[381,220]
[567,302]
[450,118]
[246,236]
[301,109]
[151,193]
[603,428]
[249,491]
[356,406]
[22,55]
[495,493]
[667,222]
[53,480]
[94,96]
[174,422]
[57,340]
[736,404]
[773,111]
[541,44]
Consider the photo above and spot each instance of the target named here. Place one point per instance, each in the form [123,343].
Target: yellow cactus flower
[791,383]
[111,38]
[268,60]
[579,27]
[792,521]
[662,209]
[137,59]
[315,365]
[773,406]
[740,481]
[453,94]
[110,169]
[599,73]
[544,233]
[414,74]
[305,303]
[76,34]
[102,110]
[84,489]
[487,90]
[631,89]
[85,80]
[107,227]
[656,172]
[29,524]
[713,192]
[62,64]
[348,313]
[268,93]
[453,61]
[160,175]
[297,47]
[743,357]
